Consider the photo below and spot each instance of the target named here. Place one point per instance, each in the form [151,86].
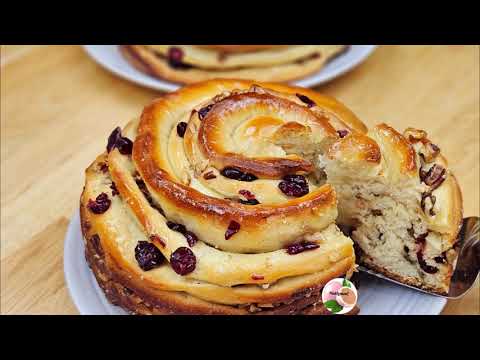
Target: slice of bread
[402,227]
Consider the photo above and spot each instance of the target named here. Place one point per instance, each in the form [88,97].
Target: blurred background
[58,107]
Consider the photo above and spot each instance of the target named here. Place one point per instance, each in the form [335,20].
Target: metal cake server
[468,261]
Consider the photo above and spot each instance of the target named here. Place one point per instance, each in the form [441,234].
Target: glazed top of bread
[242,118]
[174,168]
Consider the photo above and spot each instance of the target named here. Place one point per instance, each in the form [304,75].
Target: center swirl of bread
[253,134]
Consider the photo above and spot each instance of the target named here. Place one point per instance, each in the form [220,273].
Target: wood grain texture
[58,107]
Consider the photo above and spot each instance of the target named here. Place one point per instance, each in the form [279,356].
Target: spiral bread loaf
[224,198]
[192,63]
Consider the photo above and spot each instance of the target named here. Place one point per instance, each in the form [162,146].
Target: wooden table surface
[58,107]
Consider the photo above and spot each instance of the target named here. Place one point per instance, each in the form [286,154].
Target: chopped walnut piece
[435,176]
[426,149]
[414,135]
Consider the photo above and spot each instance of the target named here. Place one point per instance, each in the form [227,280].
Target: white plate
[376,296]
[109,56]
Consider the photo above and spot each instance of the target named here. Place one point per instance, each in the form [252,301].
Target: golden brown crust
[154,142]
[211,131]
[192,201]
[408,162]
[187,199]
[123,292]
[222,280]
[251,126]
[113,227]
[355,147]
[430,153]
[457,210]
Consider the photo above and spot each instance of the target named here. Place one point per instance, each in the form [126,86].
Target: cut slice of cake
[401,202]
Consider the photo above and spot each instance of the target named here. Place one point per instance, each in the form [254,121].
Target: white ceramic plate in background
[109,57]
[376,296]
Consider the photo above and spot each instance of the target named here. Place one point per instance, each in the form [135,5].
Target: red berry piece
[306,100]
[116,140]
[181,128]
[183,261]
[100,204]
[232,229]
[294,185]
[147,255]
[301,247]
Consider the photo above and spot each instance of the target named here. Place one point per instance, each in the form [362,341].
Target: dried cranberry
[297,248]
[157,239]
[305,99]
[112,139]
[114,189]
[250,198]
[257,277]
[342,133]
[440,259]
[147,255]
[209,175]
[204,111]
[125,146]
[176,227]
[183,261]
[420,239]
[235,174]
[175,58]
[190,236]
[100,205]
[247,194]
[181,128]
[248,177]
[175,54]
[249,202]
[294,185]
[423,264]
[232,229]
[116,140]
